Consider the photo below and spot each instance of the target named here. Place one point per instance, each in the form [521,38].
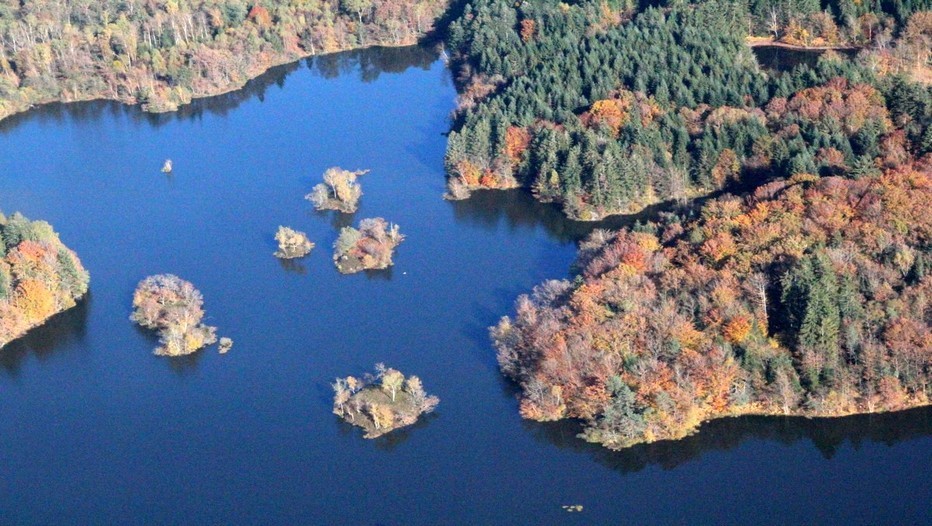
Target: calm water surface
[98,430]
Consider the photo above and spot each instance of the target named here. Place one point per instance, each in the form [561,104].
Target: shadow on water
[46,340]
[519,209]
[293,266]
[187,364]
[828,435]
[369,63]
[180,365]
[389,441]
[336,219]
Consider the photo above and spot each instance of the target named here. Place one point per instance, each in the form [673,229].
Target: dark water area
[779,58]
[98,430]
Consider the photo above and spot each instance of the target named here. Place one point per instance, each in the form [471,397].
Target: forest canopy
[810,296]
[370,247]
[606,110]
[163,53]
[39,275]
[806,292]
[340,191]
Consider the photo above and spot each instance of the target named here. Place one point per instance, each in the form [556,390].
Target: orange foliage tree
[771,304]
[39,276]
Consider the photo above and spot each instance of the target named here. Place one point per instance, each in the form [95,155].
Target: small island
[292,243]
[39,276]
[368,248]
[382,402]
[339,191]
[174,308]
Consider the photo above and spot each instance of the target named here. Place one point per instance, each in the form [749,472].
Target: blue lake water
[97,430]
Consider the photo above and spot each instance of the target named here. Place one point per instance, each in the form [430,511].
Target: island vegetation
[39,276]
[368,248]
[382,402]
[292,243]
[606,110]
[174,308]
[339,191]
[161,54]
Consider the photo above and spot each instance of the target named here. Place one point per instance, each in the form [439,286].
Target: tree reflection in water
[58,334]
[828,435]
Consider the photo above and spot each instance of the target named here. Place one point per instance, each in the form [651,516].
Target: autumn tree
[381,402]
[371,246]
[339,191]
[292,243]
[806,296]
[392,381]
[39,275]
[174,308]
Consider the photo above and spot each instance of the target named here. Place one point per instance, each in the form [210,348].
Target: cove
[98,430]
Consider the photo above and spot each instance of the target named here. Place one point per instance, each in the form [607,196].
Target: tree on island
[174,308]
[39,276]
[339,191]
[382,402]
[292,243]
[392,380]
[369,247]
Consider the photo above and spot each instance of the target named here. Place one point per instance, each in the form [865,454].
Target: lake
[96,429]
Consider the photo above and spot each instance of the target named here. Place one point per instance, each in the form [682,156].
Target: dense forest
[810,296]
[163,53]
[807,293]
[39,276]
[605,110]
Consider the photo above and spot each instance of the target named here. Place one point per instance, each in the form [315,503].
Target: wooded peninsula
[804,293]
[39,276]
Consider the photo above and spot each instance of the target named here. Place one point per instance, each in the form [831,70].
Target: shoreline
[911,405]
[426,41]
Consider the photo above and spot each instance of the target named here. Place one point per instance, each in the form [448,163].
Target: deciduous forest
[801,288]
[39,275]
[163,53]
